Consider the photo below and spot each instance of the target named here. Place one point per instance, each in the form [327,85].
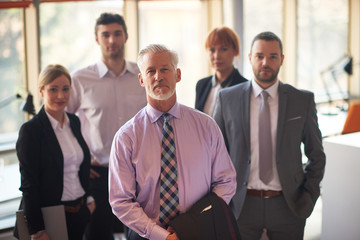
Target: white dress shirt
[73,157]
[212,97]
[104,102]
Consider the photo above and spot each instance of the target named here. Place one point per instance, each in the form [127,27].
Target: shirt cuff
[159,233]
[89,199]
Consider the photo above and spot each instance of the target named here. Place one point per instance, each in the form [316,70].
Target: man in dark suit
[275,191]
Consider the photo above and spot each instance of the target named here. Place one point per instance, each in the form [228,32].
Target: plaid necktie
[169,199]
[265,145]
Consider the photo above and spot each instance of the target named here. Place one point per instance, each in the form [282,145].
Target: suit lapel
[245,101]
[54,148]
[283,99]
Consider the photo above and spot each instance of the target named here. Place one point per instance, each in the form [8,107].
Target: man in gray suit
[275,191]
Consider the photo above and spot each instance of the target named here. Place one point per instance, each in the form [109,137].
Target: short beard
[161,97]
[115,55]
[271,79]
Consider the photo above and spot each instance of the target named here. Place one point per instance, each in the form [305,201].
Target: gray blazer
[297,123]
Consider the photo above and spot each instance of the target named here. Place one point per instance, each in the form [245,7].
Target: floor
[313,223]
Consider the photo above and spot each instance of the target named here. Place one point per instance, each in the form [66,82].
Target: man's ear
[178,75]
[97,39]
[282,59]
[141,80]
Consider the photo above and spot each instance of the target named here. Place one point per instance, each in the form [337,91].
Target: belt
[74,209]
[263,193]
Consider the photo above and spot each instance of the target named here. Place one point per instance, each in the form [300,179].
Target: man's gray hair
[157,48]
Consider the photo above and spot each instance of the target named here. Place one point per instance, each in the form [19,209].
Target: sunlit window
[181,26]
[68,32]
[259,16]
[12,72]
[322,46]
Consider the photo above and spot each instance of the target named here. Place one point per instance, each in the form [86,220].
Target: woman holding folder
[54,159]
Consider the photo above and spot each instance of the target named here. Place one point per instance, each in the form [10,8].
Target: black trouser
[76,218]
[272,214]
[103,223]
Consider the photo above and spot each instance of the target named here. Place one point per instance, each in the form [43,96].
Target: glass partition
[259,16]
[68,32]
[322,47]
[180,25]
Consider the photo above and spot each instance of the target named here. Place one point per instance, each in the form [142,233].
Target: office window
[180,25]
[321,48]
[68,33]
[259,16]
[12,73]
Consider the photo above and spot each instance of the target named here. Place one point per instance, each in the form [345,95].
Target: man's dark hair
[268,36]
[108,18]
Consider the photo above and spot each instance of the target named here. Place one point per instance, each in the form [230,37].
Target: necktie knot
[166,117]
[264,95]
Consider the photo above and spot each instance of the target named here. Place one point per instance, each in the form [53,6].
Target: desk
[340,188]
[331,125]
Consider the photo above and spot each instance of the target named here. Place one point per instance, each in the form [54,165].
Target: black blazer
[203,87]
[210,218]
[42,166]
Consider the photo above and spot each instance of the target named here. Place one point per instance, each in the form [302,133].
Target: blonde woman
[54,159]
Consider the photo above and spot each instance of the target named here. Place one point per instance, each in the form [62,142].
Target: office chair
[352,123]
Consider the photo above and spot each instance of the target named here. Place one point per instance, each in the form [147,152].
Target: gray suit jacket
[297,123]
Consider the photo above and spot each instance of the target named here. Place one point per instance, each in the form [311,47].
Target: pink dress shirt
[134,168]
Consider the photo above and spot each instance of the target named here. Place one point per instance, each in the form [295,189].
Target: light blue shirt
[134,168]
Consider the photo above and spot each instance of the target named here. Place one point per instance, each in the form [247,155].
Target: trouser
[272,214]
[103,223]
[77,217]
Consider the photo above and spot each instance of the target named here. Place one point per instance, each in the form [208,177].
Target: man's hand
[93,173]
[172,235]
[91,206]
[41,235]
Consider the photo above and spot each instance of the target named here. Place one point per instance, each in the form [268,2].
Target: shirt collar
[213,81]
[103,69]
[55,124]
[155,114]
[273,90]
